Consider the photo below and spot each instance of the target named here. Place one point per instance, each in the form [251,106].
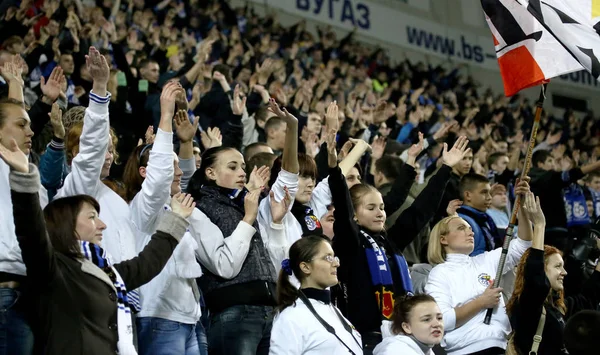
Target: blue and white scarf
[102,260]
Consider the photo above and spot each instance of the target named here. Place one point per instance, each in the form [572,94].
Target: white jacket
[296,331]
[463,278]
[84,179]
[399,344]
[10,252]
[320,200]
[173,293]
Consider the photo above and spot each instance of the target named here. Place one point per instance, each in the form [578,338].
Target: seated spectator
[463,286]
[475,194]
[418,325]
[498,208]
[71,273]
[256,148]
[307,321]
[592,182]
[539,289]
[581,333]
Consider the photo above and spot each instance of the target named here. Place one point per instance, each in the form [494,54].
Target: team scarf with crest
[384,271]
[102,260]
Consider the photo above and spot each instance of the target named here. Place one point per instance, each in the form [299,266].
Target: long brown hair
[131,175]
[556,302]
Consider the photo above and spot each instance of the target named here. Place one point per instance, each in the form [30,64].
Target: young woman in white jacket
[307,322]
[418,325]
[463,286]
[170,317]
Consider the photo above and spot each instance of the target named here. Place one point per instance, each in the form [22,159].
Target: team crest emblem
[484,279]
[312,223]
[388,303]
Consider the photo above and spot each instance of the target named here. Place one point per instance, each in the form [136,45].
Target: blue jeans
[241,330]
[16,336]
[159,336]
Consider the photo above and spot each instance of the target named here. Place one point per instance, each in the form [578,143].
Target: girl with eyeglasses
[307,321]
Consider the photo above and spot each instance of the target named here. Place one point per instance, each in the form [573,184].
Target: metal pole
[513,218]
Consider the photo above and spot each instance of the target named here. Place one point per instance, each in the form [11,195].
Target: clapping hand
[14,157]
[183,204]
[453,206]
[378,147]
[211,138]
[279,209]
[457,153]
[282,113]
[533,209]
[259,178]
[416,149]
[332,117]
[12,71]
[168,97]
[239,101]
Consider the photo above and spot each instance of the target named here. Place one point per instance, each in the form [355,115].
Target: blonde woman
[463,286]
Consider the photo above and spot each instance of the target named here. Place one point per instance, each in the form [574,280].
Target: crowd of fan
[183,177]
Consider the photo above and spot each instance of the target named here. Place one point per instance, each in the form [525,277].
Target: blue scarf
[384,271]
[575,206]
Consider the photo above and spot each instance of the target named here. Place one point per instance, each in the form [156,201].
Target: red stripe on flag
[495,40]
[519,70]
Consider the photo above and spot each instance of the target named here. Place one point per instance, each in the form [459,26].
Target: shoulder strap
[329,328]
[537,338]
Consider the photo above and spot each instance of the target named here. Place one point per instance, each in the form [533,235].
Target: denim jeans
[16,336]
[241,330]
[159,336]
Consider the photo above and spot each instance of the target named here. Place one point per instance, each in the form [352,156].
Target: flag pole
[513,218]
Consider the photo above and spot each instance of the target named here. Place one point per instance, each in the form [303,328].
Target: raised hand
[279,209]
[183,204]
[332,121]
[211,138]
[239,101]
[457,152]
[330,139]
[185,129]
[259,178]
[168,97]
[533,210]
[51,88]
[12,71]
[149,135]
[282,113]
[56,121]
[345,150]
[13,156]
[442,132]
[452,207]
[416,149]
[98,69]
[218,76]
[378,147]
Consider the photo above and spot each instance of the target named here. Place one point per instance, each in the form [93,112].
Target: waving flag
[528,53]
[574,23]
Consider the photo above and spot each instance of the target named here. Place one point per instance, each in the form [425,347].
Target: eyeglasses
[330,259]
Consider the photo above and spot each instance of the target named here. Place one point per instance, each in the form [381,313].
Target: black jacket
[74,299]
[527,309]
[358,303]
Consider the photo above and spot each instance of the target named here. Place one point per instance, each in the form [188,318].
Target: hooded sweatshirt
[400,344]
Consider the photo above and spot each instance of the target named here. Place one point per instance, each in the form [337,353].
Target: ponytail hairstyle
[402,308]
[131,175]
[199,179]
[302,251]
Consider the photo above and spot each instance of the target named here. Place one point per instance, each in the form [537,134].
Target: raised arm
[86,167]
[159,171]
